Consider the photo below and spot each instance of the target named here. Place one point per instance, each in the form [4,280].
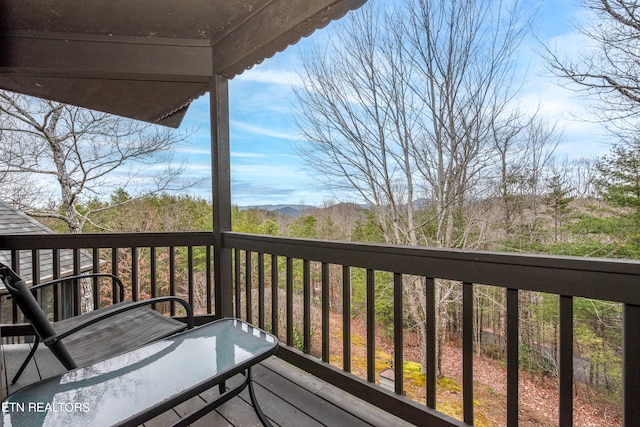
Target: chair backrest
[27,302]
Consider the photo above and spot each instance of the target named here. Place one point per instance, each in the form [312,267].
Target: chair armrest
[75,279]
[55,338]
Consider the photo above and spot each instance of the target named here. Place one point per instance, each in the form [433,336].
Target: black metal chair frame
[45,330]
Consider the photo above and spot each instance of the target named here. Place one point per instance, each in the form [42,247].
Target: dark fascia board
[105,57]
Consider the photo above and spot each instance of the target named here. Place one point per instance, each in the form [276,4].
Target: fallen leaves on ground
[538,398]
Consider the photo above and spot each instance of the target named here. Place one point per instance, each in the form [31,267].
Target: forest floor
[538,394]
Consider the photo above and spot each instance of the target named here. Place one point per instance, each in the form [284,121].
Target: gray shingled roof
[13,221]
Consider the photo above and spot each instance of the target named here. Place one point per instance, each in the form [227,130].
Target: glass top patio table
[138,385]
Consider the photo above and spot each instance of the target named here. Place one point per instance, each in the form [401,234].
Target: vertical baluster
[467,351]
[35,279]
[398,332]
[238,293]
[77,269]
[306,312]
[631,367]
[566,360]
[35,266]
[95,253]
[275,315]
[209,290]
[76,291]
[15,261]
[346,318]
[371,326]
[114,271]
[261,290]
[58,301]
[190,281]
[172,278]
[326,314]
[153,281]
[513,360]
[134,274]
[248,285]
[289,301]
[15,266]
[431,342]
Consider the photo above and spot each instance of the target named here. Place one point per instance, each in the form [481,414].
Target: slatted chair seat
[85,339]
[116,335]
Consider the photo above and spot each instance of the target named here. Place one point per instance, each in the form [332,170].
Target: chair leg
[26,361]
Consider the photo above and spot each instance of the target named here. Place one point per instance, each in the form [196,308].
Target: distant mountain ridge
[296,210]
[284,209]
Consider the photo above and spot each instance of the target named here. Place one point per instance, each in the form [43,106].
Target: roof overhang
[145,60]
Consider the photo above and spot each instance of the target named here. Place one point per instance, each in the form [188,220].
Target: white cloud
[260,130]
[271,75]
[244,155]
[277,173]
[193,150]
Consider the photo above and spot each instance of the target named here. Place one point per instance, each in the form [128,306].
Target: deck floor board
[287,395]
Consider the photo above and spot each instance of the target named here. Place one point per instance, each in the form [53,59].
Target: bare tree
[537,161]
[464,54]
[358,123]
[404,107]
[509,149]
[85,154]
[582,176]
[608,67]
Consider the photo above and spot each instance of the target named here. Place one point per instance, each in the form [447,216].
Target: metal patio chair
[87,338]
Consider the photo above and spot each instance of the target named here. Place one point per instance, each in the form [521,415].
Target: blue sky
[265,167]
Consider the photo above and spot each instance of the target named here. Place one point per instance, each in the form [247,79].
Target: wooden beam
[106,57]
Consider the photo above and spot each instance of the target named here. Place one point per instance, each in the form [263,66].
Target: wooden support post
[221,190]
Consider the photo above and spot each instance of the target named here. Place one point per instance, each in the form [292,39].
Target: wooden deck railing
[281,284]
[150,265]
[567,277]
